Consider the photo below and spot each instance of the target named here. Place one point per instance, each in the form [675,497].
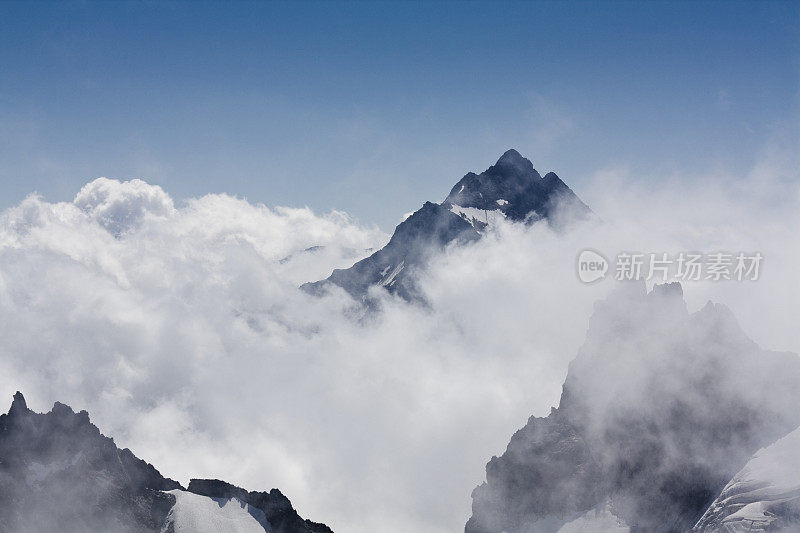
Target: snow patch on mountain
[389,279]
[479,218]
[200,514]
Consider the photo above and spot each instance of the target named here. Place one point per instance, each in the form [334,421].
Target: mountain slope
[59,473]
[429,229]
[659,410]
[511,188]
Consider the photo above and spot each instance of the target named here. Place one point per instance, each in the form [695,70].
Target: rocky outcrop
[59,473]
[659,410]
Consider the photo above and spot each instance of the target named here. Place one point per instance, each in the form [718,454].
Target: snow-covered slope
[200,514]
[480,219]
[764,495]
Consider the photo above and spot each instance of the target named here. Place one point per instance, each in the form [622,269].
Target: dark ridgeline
[658,411]
[59,473]
[511,188]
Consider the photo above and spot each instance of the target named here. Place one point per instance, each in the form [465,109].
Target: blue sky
[373,108]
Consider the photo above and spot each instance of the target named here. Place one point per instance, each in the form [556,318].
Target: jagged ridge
[59,473]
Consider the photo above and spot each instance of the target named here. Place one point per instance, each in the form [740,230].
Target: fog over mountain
[659,410]
[179,325]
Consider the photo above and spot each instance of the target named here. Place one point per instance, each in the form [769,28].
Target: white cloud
[182,331]
[121,206]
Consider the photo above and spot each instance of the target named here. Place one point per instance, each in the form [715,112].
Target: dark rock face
[659,410]
[546,449]
[510,188]
[278,509]
[59,473]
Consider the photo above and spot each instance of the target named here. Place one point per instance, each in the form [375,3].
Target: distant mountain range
[511,188]
[660,415]
[58,473]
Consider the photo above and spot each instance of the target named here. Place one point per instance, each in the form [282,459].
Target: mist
[179,326]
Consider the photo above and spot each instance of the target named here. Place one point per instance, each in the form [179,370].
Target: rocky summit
[514,188]
[510,189]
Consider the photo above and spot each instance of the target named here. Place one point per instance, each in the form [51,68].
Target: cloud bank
[179,326]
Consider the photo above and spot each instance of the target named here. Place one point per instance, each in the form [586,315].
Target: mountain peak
[511,189]
[510,155]
[511,176]
[18,406]
[513,160]
[514,188]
